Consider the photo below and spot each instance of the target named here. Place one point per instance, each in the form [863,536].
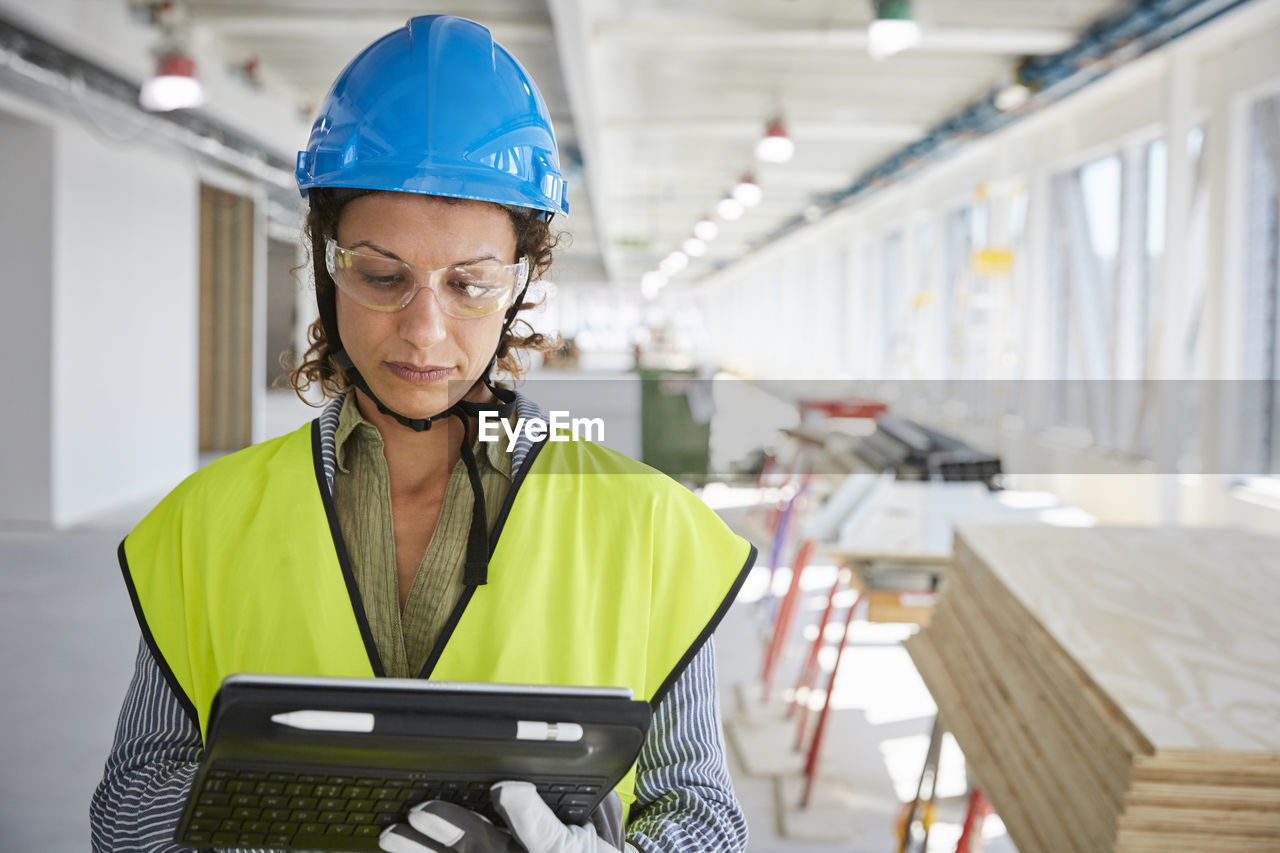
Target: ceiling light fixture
[694,248]
[652,282]
[705,229]
[775,146]
[1012,96]
[729,209]
[674,263]
[174,86]
[893,30]
[747,191]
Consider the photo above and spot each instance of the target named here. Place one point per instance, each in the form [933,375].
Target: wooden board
[1178,627]
[1087,711]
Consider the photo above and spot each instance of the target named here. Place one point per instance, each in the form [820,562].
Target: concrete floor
[68,639]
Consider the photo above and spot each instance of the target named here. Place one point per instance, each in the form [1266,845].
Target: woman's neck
[420,461]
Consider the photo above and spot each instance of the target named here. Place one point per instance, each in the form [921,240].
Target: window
[1262,323]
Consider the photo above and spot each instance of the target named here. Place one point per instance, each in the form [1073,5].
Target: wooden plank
[1015,740]
[1004,796]
[1176,626]
[1080,775]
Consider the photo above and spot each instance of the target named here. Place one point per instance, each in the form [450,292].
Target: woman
[380,540]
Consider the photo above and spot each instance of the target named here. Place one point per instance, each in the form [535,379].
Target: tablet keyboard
[343,810]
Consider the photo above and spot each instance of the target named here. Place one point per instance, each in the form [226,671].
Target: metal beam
[748,129]
[345,26]
[680,35]
[573,47]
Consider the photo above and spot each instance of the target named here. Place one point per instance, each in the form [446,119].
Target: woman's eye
[393,280]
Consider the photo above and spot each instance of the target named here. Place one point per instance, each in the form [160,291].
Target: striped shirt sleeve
[684,797]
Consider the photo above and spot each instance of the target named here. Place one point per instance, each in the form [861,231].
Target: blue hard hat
[437,107]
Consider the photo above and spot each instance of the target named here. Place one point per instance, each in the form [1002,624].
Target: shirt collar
[353,426]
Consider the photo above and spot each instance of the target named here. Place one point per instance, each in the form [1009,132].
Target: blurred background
[813,244]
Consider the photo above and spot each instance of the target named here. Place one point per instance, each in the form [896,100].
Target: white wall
[26,320]
[125,324]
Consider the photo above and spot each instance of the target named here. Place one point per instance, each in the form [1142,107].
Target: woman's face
[420,361]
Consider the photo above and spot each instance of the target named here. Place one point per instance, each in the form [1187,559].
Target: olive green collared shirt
[362,499]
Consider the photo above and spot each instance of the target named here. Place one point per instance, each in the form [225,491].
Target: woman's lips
[424,375]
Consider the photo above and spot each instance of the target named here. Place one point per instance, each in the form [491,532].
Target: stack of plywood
[1115,689]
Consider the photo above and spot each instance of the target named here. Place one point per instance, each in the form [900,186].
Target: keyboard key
[386,818]
[203,825]
[275,814]
[210,799]
[217,812]
[304,816]
[241,786]
[252,774]
[385,793]
[214,785]
[244,800]
[360,817]
[341,780]
[333,804]
[339,829]
[356,792]
[573,814]
[279,839]
[386,806]
[310,778]
[197,837]
[333,817]
[327,791]
[269,788]
[251,839]
[588,789]
[360,805]
[368,830]
[282,777]
[560,787]
[221,774]
[311,829]
[225,839]
[297,789]
[260,826]
[246,814]
[371,783]
[584,800]
[284,827]
[230,826]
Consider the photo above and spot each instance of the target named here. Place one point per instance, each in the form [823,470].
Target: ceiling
[657,104]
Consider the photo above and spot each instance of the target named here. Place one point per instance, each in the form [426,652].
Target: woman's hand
[439,827]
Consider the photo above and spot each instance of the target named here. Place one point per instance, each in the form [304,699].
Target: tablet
[298,763]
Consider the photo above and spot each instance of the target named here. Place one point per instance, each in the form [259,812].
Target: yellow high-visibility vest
[603,573]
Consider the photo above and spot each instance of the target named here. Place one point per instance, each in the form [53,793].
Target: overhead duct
[1144,26]
[35,67]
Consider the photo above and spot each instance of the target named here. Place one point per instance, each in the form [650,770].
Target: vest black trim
[710,628]
[187,705]
[340,546]
[446,633]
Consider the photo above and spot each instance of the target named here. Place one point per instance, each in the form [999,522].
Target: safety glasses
[386,284]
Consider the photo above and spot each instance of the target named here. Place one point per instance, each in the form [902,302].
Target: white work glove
[439,827]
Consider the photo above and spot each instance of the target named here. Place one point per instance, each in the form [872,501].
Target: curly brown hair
[534,240]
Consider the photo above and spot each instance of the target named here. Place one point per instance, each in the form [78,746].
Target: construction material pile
[1114,689]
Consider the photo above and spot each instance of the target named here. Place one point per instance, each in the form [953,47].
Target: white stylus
[429,725]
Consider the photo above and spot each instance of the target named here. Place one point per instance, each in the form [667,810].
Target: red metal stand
[815,748]
[809,672]
[782,624]
[971,836]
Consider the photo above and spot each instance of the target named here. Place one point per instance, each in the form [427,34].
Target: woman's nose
[422,322]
